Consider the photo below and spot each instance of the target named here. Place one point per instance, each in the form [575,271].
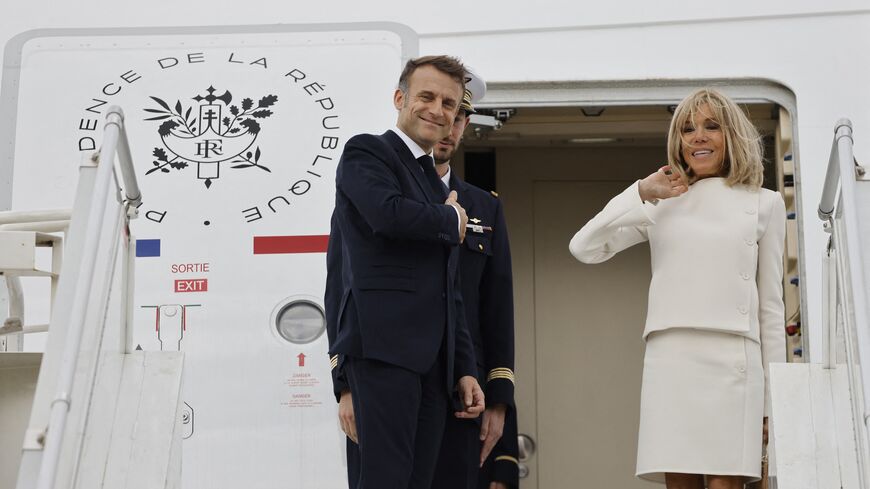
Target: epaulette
[494,193]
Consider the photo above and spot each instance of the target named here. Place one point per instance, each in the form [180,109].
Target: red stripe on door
[266,245]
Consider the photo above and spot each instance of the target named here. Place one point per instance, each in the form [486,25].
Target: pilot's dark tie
[437,185]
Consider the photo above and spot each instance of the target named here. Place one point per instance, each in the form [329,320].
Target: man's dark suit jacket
[392,283]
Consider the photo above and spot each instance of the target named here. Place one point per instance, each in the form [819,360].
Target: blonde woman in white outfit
[715,313]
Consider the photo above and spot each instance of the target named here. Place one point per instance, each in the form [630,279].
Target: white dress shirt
[415,148]
[446,179]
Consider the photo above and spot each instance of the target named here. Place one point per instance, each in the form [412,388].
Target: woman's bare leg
[726,481]
[675,480]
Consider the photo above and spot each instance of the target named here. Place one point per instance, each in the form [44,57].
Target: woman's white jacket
[716,255]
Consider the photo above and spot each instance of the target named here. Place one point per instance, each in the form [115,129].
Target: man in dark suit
[394,309]
[482,454]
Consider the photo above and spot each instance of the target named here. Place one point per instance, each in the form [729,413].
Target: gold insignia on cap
[466,102]
[501,373]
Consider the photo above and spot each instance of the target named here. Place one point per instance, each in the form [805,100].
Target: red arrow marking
[301,358]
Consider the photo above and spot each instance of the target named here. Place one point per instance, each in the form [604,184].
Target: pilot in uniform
[487,292]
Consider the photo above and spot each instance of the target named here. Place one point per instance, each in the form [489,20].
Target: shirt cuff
[458,219]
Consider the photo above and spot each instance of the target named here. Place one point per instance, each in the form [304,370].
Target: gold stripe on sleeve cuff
[333,360]
[506,458]
[501,373]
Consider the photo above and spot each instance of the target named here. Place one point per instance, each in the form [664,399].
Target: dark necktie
[437,185]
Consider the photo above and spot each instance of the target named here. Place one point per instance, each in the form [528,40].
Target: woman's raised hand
[663,184]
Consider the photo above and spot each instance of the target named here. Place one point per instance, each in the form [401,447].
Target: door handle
[526,446]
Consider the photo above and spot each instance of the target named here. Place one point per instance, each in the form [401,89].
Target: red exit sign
[192,285]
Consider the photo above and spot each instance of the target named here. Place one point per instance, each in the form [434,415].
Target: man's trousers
[400,417]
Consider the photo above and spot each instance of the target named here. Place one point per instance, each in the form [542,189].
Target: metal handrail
[840,178]
[14,326]
[27,217]
[829,298]
[15,321]
[837,165]
[132,194]
[39,227]
[114,141]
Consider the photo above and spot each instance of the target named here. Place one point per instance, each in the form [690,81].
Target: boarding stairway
[820,410]
[89,412]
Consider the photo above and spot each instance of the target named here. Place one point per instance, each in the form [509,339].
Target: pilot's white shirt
[716,257]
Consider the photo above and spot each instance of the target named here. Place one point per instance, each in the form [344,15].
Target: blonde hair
[742,163]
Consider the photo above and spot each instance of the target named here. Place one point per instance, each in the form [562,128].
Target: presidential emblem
[217,132]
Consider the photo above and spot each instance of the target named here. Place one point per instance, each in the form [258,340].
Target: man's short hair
[446,64]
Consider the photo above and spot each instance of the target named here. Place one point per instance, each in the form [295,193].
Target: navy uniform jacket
[332,301]
[392,283]
[487,291]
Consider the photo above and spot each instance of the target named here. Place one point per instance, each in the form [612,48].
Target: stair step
[813,430]
[135,442]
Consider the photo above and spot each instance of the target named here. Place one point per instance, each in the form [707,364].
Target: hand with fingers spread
[463,217]
[663,184]
[471,396]
[491,429]
[346,416]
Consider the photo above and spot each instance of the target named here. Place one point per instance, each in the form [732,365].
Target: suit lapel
[407,159]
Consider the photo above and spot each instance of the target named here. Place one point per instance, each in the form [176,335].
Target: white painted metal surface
[19,217]
[94,337]
[820,409]
[80,290]
[18,257]
[18,373]
[129,184]
[813,433]
[41,227]
[13,324]
[840,208]
[145,427]
[18,252]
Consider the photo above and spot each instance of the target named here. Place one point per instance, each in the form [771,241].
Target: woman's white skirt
[702,404]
